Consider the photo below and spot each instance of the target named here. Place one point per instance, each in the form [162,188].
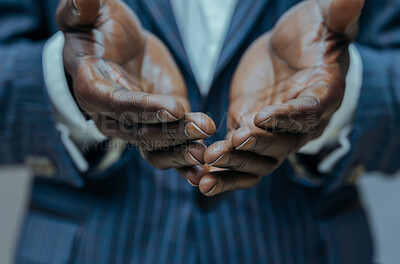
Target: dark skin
[287,86]
[127,81]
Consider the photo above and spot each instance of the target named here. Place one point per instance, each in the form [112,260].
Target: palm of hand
[283,65]
[104,58]
[297,68]
[291,80]
[126,80]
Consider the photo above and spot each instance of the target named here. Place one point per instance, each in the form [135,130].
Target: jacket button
[41,166]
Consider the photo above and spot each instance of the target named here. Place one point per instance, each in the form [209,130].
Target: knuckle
[314,105]
[153,159]
[293,147]
[163,137]
[240,165]
[148,103]
[178,157]
[116,105]
[231,184]
[176,163]
[295,126]
[263,169]
[172,135]
[265,145]
[158,165]
[140,137]
[147,100]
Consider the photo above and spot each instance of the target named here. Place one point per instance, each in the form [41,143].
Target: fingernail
[248,144]
[165,116]
[74,5]
[194,175]
[192,131]
[189,158]
[270,122]
[192,183]
[75,9]
[221,161]
[212,190]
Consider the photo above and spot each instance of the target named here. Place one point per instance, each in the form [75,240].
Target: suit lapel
[164,19]
[244,18]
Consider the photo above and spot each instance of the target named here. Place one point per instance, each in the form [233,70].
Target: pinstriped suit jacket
[133,213]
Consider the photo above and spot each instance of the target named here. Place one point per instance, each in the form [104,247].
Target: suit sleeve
[27,123]
[375,137]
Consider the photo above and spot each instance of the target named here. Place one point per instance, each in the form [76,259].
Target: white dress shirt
[203,25]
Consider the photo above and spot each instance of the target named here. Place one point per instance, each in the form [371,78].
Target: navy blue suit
[133,213]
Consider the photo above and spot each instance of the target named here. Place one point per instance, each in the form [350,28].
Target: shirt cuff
[340,124]
[76,132]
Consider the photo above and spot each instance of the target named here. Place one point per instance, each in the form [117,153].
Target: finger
[265,143]
[191,154]
[241,111]
[222,154]
[194,174]
[303,114]
[77,14]
[122,100]
[152,137]
[218,182]
[290,117]
[340,15]
[131,107]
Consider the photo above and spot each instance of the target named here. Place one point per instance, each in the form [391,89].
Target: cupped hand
[287,86]
[125,79]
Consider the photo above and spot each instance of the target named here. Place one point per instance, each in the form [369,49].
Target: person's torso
[143,215]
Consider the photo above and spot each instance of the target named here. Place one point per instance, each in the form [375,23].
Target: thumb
[341,15]
[77,14]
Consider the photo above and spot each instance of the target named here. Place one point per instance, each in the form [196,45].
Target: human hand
[126,80]
[284,92]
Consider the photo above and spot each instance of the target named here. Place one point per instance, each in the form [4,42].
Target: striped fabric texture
[133,213]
